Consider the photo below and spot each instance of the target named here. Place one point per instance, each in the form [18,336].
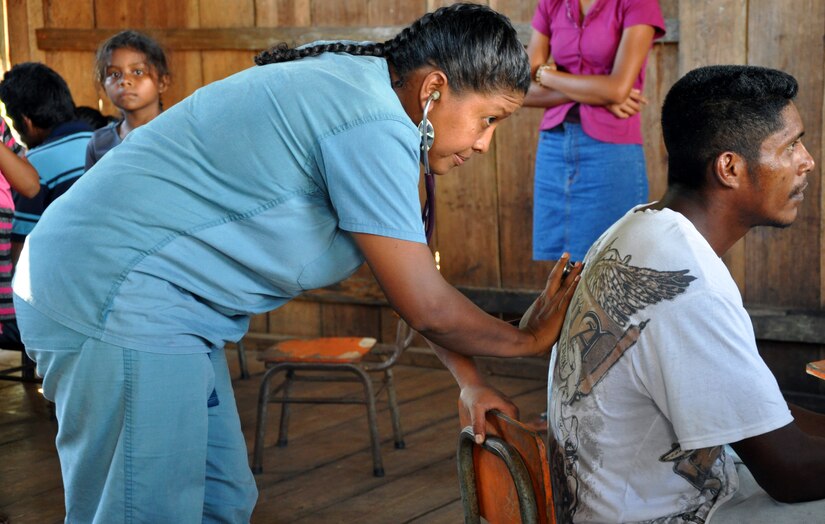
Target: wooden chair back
[506,479]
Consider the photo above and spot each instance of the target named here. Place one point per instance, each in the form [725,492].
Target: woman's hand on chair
[474,403]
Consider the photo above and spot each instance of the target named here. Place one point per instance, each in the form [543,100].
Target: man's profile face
[775,184]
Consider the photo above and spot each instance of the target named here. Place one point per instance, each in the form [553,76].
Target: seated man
[42,110]
[656,369]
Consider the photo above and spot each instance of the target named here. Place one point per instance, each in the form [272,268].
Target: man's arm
[789,463]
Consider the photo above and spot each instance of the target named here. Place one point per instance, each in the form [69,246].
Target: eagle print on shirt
[596,333]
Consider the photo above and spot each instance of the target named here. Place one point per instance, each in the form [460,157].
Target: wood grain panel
[662,72]
[23,16]
[275,13]
[248,38]
[394,12]
[79,14]
[337,13]
[716,33]
[467,222]
[516,141]
[516,10]
[222,14]
[74,67]
[783,267]
[298,318]
[432,5]
[712,33]
[116,15]
[344,320]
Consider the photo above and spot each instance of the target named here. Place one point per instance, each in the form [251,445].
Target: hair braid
[284,53]
[476,47]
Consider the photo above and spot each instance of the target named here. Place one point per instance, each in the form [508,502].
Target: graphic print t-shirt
[655,370]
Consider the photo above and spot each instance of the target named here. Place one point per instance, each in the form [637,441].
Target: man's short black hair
[722,108]
[34,90]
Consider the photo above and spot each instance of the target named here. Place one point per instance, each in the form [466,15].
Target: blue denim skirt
[581,186]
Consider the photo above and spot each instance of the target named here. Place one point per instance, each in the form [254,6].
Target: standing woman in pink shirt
[588,62]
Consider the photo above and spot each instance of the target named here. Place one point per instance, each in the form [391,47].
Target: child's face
[131,83]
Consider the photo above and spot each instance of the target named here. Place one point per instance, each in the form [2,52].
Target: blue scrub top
[228,204]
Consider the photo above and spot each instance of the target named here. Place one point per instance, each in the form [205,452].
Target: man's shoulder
[61,159]
[661,248]
[77,139]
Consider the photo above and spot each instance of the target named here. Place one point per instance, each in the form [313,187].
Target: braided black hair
[476,47]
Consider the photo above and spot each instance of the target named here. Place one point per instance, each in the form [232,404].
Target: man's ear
[729,170]
[27,122]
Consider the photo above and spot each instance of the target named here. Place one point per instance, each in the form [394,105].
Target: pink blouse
[589,48]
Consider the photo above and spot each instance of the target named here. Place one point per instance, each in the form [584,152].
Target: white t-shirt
[656,369]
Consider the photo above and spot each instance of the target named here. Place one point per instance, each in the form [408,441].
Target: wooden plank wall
[484,208]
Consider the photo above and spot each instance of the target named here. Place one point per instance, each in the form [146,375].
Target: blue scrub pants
[136,439]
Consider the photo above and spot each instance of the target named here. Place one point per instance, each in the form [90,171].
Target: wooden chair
[506,479]
[239,346]
[342,359]
[816,369]
[25,372]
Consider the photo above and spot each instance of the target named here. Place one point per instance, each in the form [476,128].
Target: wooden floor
[324,475]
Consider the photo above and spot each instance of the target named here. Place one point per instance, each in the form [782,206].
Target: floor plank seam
[386,481]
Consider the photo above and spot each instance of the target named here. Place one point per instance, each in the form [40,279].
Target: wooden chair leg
[283,428]
[28,367]
[392,399]
[264,395]
[372,420]
[242,360]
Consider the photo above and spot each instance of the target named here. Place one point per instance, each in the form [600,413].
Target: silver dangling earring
[425,128]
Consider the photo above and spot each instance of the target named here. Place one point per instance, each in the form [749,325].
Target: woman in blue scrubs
[279,179]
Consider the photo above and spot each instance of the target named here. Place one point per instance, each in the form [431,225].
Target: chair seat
[817,369]
[325,349]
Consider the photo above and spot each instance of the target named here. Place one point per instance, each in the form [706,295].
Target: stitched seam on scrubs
[127,435]
[107,304]
[362,121]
